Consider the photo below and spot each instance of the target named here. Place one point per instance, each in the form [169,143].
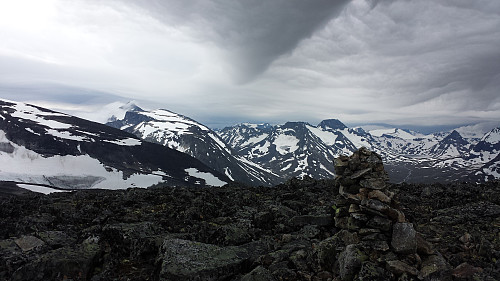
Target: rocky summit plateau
[355,227]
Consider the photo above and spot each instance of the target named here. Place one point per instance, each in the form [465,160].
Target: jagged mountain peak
[333,124]
[117,110]
[131,106]
[454,137]
[294,124]
[492,136]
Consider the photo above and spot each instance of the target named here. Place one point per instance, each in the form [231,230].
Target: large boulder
[189,260]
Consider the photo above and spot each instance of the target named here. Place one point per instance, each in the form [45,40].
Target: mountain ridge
[68,152]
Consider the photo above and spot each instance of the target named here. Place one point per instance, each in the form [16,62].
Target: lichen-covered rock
[350,261]
[189,260]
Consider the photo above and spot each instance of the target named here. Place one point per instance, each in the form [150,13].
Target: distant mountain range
[147,147]
[298,148]
[40,146]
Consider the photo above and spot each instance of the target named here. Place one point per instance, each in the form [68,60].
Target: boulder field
[355,227]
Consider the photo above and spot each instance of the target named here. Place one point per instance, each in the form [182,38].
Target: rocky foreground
[300,230]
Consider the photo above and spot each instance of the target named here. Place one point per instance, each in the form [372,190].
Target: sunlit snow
[208,177]
[286,144]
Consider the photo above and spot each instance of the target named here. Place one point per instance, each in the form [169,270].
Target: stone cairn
[376,242]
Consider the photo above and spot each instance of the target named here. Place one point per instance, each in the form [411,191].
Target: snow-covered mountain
[294,149]
[297,149]
[188,136]
[487,151]
[40,146]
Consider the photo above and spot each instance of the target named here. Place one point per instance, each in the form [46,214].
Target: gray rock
[321,220]
[309,231]
[379,195]
[404,239]
[56,239]
[258,274]
[360,173]
[350,261]
[189,260]
[465,271]
[28,243]
[372,272]
[434,265]
[380,246]
[399,267]
[380,223]
[329,248]
[373,183]
[75,263]
[375,206]
[424,247]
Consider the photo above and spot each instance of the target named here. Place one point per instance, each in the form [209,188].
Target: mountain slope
[290,150]
[186,135]
[41,146]
[453,145]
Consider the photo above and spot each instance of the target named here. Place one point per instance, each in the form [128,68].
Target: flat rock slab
[190,260]
[28,243]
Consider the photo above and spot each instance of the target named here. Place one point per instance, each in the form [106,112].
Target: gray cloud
[252,33]
[387,61]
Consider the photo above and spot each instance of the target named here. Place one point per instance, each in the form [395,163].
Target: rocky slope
[293,231]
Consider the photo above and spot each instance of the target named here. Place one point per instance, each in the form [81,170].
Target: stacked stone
[382,244]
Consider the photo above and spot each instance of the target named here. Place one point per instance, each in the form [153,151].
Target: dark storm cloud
[253,33]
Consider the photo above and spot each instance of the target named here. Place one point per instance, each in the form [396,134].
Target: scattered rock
[404,239]
[465,271]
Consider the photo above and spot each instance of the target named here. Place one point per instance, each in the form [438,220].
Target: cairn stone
[365,208]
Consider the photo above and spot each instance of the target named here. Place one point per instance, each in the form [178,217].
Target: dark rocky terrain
[287,232]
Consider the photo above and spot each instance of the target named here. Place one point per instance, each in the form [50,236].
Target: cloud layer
[220,61]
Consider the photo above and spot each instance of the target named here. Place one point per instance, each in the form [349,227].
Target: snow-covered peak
[255,126]
[167,116]
[397,133]
[492,137]
[30,113]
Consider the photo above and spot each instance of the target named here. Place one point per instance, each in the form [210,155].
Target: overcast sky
[220,62]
